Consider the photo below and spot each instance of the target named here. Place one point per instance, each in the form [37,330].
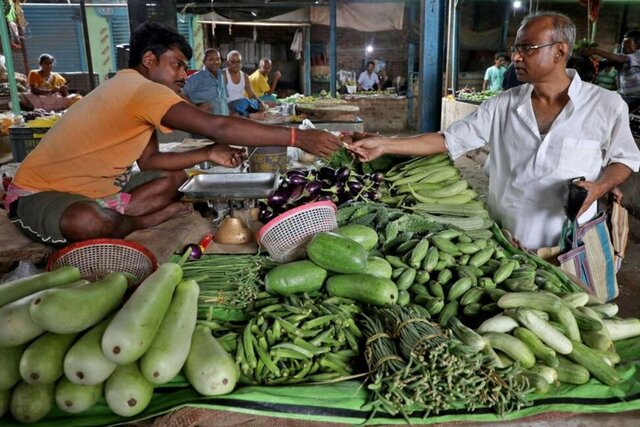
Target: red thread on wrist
[292,142]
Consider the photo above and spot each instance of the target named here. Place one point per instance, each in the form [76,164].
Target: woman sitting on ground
[47,90]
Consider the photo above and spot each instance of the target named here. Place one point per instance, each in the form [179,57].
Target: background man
[260,79]
[368,80]
[207,88]
[495,74]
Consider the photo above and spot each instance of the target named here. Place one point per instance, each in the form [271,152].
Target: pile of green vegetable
[71,342]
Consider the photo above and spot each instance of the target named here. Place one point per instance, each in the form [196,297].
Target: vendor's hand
[320,143]
[226,156]
[616,195]
[277,75]
[595,192]
[368,149]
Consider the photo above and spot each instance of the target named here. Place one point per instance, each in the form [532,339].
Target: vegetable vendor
[368,79]
[260,79]
[543,133]
[47,89]
[78,183]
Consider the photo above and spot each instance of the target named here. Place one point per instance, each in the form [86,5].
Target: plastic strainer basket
[96,258]
[286,236]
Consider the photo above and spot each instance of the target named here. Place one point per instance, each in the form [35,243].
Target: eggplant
[278,198]
[297,172]
[296,192]
[355,187]
[326,174]
[342,174]
[374,196]
[194,249]
[297,180]
[377,177]
[313,188]
[265,216]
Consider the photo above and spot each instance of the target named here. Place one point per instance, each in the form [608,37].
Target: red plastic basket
[286,236]
[96,258]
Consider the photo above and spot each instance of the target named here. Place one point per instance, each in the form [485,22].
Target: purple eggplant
[326,174]
[265,216]
[355,187]
[296,192]
[342,174]
[297,172]
[374,196]
[195,250]
[313,188]
[377,177]
[297,180]
[278,198]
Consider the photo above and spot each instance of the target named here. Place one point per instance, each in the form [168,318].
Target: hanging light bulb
[517,4]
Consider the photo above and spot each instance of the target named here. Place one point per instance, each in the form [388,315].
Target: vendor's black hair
[44,57]
[157,38]
[372,63]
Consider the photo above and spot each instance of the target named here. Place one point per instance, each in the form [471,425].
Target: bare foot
[174,210]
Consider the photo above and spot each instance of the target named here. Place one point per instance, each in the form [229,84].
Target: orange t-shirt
[92,148]
[36,80]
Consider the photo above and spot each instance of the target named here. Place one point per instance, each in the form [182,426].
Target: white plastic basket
[286,236]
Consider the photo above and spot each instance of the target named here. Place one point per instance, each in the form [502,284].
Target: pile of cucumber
[67,342]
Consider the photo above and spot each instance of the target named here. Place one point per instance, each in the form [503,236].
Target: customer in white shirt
[541,134]
[368,80]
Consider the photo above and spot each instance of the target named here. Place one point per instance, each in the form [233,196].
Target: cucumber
[379,267]
[5,397]
[91,304]
[366,236]
[18,328]
[85,363]
[134,326]
[41,362]
[170,348]
[209,368]
[10,366]
[31,402]
[127,391]
[295,278]
[364,288]
[20,288]
[75,398]
[337,253]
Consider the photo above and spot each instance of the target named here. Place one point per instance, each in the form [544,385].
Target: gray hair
[564,30]
[233,53]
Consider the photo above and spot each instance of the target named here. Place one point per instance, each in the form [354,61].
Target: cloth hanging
[298,43]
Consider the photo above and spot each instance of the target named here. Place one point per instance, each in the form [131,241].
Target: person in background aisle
[79,182]
[553,128]
[237,82]
[495,74]
[47,89]
[629,67]
[368,80]
[207,88]
[260,79]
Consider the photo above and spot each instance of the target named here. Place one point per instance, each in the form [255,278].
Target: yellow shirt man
[259,80]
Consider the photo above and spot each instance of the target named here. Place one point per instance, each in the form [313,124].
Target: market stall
[389,296]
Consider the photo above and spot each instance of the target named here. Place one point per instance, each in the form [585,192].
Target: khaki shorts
[38,215]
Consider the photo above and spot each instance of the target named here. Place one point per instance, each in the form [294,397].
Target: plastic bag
[24,269]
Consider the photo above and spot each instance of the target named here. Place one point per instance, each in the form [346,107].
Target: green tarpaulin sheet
[344,402]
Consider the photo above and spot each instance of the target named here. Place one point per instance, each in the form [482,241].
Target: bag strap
[568,235]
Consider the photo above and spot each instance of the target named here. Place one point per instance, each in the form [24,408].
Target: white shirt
[235,91]
[529,173]
[367,81]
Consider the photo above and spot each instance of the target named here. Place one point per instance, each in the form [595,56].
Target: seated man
[47,90]
[238,85]
[78,183]
[368,80]
[207,88]
[260,79]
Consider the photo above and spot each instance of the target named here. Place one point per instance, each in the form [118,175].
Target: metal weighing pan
[212,186]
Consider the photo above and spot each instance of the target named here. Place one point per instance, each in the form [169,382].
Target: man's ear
[148,58]
[562,51]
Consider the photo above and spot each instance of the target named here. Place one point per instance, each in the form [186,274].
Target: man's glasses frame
[527,49]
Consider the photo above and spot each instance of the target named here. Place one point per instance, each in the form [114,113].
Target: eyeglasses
[235,62]
[527,49]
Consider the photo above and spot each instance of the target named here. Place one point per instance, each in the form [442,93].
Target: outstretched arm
[239,131]
[619,59]
[420,145]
